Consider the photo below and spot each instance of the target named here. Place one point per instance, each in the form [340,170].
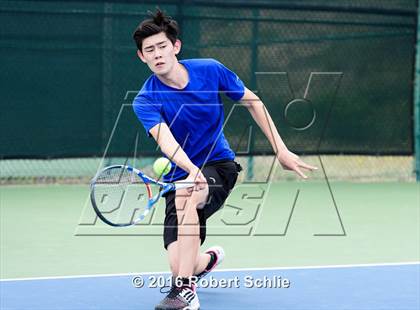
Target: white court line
[220,270]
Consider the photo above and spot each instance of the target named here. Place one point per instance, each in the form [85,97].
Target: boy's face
[159,53]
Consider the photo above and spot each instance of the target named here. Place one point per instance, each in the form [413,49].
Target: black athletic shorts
[221,178]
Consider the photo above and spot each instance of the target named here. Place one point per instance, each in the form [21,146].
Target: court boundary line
[216,271]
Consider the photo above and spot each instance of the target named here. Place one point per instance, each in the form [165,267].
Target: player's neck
[176,78]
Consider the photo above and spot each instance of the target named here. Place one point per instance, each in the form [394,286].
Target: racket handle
[180,185]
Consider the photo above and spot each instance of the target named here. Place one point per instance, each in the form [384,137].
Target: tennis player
[179,105]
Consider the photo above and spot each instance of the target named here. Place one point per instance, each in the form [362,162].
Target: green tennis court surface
[381,220]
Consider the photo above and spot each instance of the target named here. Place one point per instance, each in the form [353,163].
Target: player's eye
[162,46]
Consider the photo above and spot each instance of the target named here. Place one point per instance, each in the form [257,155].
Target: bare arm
[171,148]
[261,116]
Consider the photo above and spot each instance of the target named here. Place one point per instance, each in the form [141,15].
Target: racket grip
[180,185]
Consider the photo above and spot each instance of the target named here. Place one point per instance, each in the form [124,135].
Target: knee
[182,195]
[192,199]
[200,197]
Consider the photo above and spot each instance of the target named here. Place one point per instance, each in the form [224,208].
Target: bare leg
[188,229]
[202,262]
[173,256]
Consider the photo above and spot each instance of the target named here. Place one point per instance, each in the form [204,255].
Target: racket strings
[118,176]
[120,194]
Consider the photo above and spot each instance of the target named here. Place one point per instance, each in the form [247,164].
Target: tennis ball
[162,166]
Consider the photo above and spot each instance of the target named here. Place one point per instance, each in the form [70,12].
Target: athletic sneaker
[217,256]
[180,298]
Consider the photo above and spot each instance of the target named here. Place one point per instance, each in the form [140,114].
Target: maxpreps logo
[257,207]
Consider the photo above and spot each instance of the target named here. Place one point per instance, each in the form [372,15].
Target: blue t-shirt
[195,113]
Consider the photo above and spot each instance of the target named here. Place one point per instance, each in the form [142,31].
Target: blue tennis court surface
[357,287]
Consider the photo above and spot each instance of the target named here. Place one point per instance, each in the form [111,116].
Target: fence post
[107,50]
[416,102]
[254,69]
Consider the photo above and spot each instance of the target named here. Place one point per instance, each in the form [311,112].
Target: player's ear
[177,46]
[140,54]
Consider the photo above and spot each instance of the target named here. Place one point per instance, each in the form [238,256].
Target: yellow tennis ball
[162,166]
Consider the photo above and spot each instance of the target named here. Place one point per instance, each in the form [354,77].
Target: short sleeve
[230,83]
[147,112]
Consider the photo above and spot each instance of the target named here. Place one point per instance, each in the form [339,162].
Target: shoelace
[170,290]
[165,287]
[174,291]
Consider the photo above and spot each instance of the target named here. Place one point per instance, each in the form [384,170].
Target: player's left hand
[197,178]
[290,161]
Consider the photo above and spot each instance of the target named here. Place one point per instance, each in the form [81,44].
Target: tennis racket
[117,188]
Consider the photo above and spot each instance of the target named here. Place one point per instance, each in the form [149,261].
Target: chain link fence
[337,79]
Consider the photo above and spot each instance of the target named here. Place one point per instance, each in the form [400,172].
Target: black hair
[157,23]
